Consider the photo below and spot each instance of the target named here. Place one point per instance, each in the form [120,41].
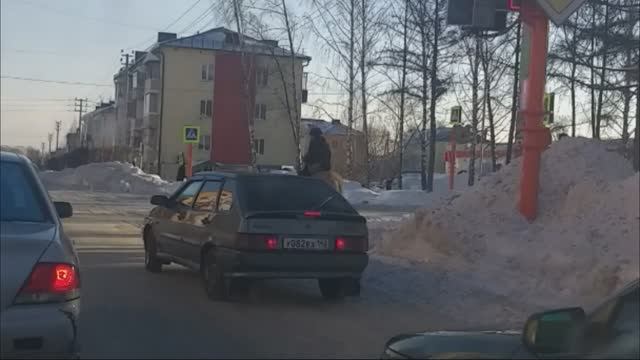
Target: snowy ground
[468,251]
[123,301]
[583,245]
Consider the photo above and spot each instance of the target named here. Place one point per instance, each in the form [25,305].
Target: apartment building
[215,81]
[100,125]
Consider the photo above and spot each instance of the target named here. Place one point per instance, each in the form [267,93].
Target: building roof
[102,107]
[327,127]
[221,38]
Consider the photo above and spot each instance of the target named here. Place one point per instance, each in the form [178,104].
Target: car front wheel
[213,278]
[151,261]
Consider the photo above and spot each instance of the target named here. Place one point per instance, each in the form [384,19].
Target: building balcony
[151,121]
[152,84]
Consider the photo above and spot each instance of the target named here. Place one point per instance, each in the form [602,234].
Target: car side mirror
[64,209]
[553,332]
[160,200]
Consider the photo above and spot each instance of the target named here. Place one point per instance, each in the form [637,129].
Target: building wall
[101,127]
[233,101]
[122,123]
[276,129]
[183,91]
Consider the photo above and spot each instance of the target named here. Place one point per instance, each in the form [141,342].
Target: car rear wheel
[215,284]
[332,289]
[151,261]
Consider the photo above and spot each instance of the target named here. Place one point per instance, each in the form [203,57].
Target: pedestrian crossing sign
[191,134]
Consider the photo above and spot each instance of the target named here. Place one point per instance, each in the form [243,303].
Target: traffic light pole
[188,166]
[532,94]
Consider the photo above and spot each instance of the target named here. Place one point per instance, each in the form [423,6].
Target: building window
[205,142]
[258,145]
[153,71]
[207,72]
[261,112]
[262,77]
[151,103]
[206,107]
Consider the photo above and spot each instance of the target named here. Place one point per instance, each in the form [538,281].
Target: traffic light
[478,14]
[549,105]
[456,115]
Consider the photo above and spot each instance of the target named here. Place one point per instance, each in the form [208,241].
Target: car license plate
[306,244]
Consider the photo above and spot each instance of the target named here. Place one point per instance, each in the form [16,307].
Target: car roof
[11,156]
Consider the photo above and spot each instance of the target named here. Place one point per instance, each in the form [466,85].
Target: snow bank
[356,194]
[584,244]
[108,176]
[411,196]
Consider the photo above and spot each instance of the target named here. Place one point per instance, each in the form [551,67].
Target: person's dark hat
[315,132]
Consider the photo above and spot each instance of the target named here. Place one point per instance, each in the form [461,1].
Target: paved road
[130,313]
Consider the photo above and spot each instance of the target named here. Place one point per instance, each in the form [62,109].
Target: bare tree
[337,31]
[514,94]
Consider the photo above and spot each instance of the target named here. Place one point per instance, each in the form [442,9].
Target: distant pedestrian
[318,156]
[181,173]
[388,184]
[317,161]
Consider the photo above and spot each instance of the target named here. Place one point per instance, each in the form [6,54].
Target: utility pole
[58,124]
[80,106]
[124,60]
[42,152]
[50,138]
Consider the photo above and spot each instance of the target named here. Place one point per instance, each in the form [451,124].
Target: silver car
[40,279]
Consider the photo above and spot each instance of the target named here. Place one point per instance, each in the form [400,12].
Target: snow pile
[584,244]
[357,194]
[108,176]
[411,196]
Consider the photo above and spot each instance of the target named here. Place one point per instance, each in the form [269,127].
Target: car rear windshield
[20,199]
[290,193]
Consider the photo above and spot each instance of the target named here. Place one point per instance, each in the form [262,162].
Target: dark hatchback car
[611,331]
[238,227]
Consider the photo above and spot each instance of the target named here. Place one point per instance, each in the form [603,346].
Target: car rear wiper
[324,202]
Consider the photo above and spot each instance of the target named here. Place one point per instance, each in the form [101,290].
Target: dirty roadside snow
[583,246]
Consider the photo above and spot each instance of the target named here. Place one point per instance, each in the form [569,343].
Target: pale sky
[75,41]
[80,41]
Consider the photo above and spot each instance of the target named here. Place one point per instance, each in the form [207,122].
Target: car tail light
[351,244]
[271,242]
[257,242]
[50,282]
[312,214]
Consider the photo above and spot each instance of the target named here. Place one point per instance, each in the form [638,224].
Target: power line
[33,99]
[93,18]
[183,14]
[198,19]
[53,81]
[168,26]
[34,110]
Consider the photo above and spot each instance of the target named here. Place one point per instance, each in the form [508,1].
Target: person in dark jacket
[318,156]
